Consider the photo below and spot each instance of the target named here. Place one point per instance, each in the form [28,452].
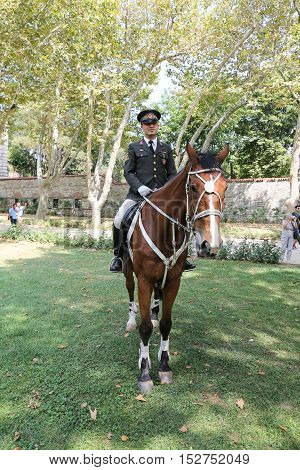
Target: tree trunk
[294,171]
[219,122]
[96,216]
[44,191]
[204,90]
[200,129]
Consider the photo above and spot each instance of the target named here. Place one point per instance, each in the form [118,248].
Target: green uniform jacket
[144,168]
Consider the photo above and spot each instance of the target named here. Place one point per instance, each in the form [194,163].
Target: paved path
[73,232]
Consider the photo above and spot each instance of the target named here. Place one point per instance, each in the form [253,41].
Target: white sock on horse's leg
[144,354]
[131,324]
[164,346]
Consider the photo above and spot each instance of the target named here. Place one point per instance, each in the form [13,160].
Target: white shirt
[154,142]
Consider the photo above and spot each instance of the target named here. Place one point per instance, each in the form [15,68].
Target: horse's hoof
[130,327]
[166,378]
[145,387]
[155,323]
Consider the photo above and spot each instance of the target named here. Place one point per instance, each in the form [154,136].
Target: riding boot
[188,266]
[116,265]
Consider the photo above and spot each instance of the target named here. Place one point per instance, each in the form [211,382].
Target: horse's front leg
[131,324]
[169,295]
[155,308]
[145,382]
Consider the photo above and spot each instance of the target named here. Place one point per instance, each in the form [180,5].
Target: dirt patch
[11,250]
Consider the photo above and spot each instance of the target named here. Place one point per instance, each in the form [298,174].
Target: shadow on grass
[63,350]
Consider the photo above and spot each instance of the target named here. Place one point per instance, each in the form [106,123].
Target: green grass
[251,230]
[230,321]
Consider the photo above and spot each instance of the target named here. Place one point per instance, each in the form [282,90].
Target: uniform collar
[154,142]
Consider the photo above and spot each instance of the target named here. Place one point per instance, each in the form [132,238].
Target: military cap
[148,116]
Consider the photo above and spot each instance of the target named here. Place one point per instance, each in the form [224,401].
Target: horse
[157,247]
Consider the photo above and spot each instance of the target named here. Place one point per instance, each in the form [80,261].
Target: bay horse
[157,242]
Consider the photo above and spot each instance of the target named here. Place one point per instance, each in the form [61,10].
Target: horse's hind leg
[155,308]
[131,324]
[169,295]
[144,381]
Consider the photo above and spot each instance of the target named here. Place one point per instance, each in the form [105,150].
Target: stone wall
[256,200]
[68,196]
[249,199]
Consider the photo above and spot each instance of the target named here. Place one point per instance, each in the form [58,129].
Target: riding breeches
[122,211]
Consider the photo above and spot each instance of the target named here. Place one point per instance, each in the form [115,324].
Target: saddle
[126,223]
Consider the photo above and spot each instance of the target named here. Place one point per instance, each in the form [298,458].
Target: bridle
[209,188]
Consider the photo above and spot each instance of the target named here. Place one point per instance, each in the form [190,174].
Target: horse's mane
[208,160]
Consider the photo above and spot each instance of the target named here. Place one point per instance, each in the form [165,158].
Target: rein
[209,187]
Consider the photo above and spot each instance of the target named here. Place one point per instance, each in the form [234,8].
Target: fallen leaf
[36,394]
[83,405]
[77,326]
[8,374]
[118,385]
[17,436]
[124,438]
[33,404]
[251,340]
[215,289]
[213,398]
[109,435]
[62,346]
[183,428]
[93,414]
[35,360]
[261,372]
[188,366]
[283,429]
[51,392]
[126,334]
[240,403]
[17,448]
[140,398]
[175,353]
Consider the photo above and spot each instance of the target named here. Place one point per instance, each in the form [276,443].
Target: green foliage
[22,161]
[261,138]
[265,252]
[46,236]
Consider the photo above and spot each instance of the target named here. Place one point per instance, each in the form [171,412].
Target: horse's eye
[193,188]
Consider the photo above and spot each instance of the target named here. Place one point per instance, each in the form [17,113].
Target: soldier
[149,166]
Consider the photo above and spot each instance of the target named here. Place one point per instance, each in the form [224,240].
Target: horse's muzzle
[205,250]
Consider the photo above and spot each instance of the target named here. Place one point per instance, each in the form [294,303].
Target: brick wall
[249,199]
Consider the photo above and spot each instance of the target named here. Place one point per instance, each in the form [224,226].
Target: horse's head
[206,191]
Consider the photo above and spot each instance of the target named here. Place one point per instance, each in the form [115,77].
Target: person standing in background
[13,214]
[287,237]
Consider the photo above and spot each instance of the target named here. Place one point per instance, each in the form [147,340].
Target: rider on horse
[149,166]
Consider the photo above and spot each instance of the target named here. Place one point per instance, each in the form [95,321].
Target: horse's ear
[223,153]
[192,154]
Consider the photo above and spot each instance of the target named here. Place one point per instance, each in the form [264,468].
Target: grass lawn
[63,351]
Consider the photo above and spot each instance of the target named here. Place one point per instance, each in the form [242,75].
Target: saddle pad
[128,217]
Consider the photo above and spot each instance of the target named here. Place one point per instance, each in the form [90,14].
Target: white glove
[144,190]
